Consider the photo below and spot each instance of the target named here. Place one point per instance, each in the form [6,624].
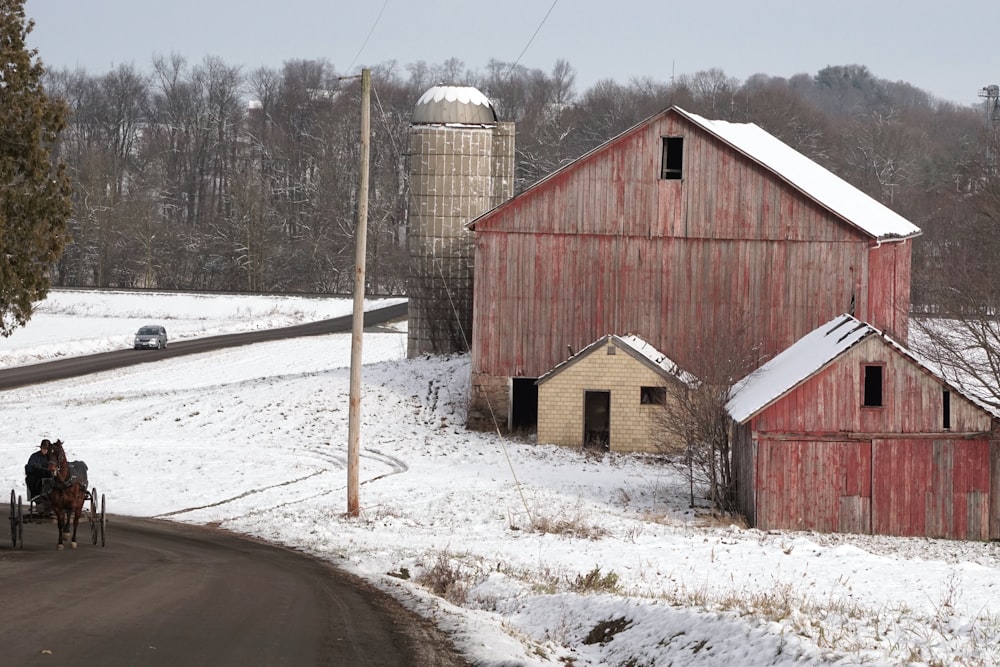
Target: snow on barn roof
[639,349]
[796,363]
[808,355]
[810,178]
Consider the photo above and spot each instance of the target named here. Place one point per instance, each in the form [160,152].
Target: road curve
[20,376]
[162,593]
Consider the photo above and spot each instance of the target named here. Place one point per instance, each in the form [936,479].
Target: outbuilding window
[672,163]
[653,396]
[872,386]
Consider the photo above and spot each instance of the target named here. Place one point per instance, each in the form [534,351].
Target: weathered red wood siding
[822,461]
[608,247]
[932,488]
[830,401]
[889,289]
[814,485]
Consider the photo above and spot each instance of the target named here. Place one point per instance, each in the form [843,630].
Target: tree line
[208,177]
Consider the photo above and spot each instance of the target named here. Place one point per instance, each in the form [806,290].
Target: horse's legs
[62,521]
[77,510]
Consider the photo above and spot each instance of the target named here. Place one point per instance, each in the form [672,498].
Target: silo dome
[445,104]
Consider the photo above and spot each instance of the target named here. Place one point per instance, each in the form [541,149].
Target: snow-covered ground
[527,554]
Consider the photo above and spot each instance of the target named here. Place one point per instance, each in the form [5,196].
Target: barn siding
[909,487]
[744,449]
[932,488]
[814,485]
[538,294]
[889,289]
[605,246]
[617,190]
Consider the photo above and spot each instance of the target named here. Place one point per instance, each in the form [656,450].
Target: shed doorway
[523,406]
[597,419]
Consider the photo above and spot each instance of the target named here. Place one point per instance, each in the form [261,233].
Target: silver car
[151,336]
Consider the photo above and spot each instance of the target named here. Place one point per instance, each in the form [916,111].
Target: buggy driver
[36,470]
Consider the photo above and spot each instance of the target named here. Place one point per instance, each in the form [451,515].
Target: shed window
[671,167]
[873,386]
[653,396]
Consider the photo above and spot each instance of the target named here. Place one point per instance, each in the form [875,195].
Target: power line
[535,34]
[365,43]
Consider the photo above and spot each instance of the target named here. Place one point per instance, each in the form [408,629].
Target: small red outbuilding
[847,431]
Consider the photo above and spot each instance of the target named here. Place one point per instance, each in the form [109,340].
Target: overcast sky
[948,49]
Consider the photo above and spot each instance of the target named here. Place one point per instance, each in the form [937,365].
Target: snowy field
[526,554]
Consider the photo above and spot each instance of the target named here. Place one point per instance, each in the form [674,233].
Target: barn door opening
[597,419]
[523,406]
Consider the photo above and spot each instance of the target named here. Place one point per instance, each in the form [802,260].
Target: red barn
[673,231]
[847,431]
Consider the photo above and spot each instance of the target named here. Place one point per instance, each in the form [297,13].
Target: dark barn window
[946,409]
[873,386]
[672,164]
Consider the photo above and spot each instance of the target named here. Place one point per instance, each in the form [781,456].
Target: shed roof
[810,354]
[635,346]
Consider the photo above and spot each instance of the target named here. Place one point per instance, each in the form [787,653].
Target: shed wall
[634,426]
[818,459]
[830,401]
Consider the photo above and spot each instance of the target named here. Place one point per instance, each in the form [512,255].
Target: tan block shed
[609,395]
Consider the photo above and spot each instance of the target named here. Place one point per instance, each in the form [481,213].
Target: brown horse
[69,491]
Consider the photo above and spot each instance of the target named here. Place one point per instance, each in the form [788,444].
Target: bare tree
[961,330]
[694,423]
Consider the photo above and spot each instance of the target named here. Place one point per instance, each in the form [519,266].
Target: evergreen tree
[35,200]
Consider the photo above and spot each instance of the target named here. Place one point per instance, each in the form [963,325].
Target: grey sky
[946,48]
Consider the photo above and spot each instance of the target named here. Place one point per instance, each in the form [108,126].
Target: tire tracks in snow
[396,466]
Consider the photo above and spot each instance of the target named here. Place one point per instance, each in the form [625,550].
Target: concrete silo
[461,165]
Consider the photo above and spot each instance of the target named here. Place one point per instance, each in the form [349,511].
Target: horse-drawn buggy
[63,497]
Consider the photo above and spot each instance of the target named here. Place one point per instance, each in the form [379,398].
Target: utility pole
[358,320]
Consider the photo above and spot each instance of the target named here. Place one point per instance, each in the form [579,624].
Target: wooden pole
[358,323]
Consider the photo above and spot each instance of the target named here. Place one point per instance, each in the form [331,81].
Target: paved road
[170,594]
[94,363]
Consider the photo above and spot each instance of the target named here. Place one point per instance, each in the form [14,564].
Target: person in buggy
[36,471]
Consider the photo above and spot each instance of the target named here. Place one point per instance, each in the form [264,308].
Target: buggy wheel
[16,521]
[104,521]
[13,518]
[92,515]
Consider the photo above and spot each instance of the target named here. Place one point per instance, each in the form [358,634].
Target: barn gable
[847,431]
[609,395]
[618,175]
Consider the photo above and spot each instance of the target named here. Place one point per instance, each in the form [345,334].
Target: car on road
[151,336]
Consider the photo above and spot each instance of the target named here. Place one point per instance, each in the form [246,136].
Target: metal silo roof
[463,105]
